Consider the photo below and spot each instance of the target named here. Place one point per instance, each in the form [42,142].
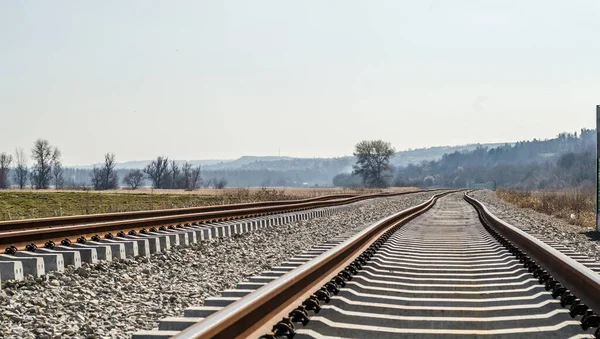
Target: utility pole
[597,168]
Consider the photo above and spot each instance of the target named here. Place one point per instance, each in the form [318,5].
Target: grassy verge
[16,204]
[576,206]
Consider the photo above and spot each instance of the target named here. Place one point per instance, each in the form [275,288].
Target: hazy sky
[221,79]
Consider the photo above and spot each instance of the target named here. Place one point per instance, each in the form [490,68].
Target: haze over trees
[21,170]
[169,175]
[191,178]
[57,170]
[373,162]
[219,183]
[565,161]
[105,177]
[5,161]
[158,171]
[568,160]
[46,161]
[134,179]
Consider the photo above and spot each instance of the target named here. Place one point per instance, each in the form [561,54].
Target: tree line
[47,170]
[569,160]
[565,161]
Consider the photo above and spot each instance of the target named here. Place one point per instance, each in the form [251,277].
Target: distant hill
[565,161]
[404,158]
[520,164]
[245,161]
[276,163]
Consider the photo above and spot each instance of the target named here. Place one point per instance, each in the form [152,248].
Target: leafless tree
[110,175]
[176,178]
[57,170]
[96,178]
[219,183]
[21,170]
[158,171]
[134,179]
[5,161]
[196,178]
[42,154]
[105,178]
[186,175]
[191,178]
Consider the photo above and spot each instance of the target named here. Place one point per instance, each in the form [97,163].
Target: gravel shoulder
[116,299]
[578,238]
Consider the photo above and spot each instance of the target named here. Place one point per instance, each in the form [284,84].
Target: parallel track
[439,269]
[106,217]
[443,274]
[40,232]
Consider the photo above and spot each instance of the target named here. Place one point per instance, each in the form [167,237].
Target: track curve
[443,275]
[446,268]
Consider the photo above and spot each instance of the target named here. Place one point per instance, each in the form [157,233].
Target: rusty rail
[567,278]
[256,313]
[39,236]
[95,218]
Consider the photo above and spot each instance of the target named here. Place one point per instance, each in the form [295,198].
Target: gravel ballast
[578,238]
[116,299]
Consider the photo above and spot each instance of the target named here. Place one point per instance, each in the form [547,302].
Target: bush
[219,183]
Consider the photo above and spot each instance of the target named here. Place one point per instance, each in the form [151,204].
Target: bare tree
[186,175]
[96,178]
[219,183]
[190,178]
[57,170]
[21,170]
[134,179]
[176,179]
[5,161]
[373,162]
[158,171]
[105,178]
[196,178]
[42,154]
[111,178]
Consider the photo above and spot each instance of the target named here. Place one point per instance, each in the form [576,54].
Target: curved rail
[39,236]
[568,279]
[253,315]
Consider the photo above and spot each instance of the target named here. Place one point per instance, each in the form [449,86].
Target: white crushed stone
[116,299]
[578,238]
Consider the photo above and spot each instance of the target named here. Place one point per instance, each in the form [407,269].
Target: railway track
[107,217]
[37,246]
[446,268]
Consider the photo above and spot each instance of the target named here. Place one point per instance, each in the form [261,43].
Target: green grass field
[15,204]
[39,204]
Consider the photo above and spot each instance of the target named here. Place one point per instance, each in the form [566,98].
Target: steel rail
[254,314]
[94,218]
[39,236]
[580,280]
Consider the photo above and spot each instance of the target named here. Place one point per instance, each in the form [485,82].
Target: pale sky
[222,79]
